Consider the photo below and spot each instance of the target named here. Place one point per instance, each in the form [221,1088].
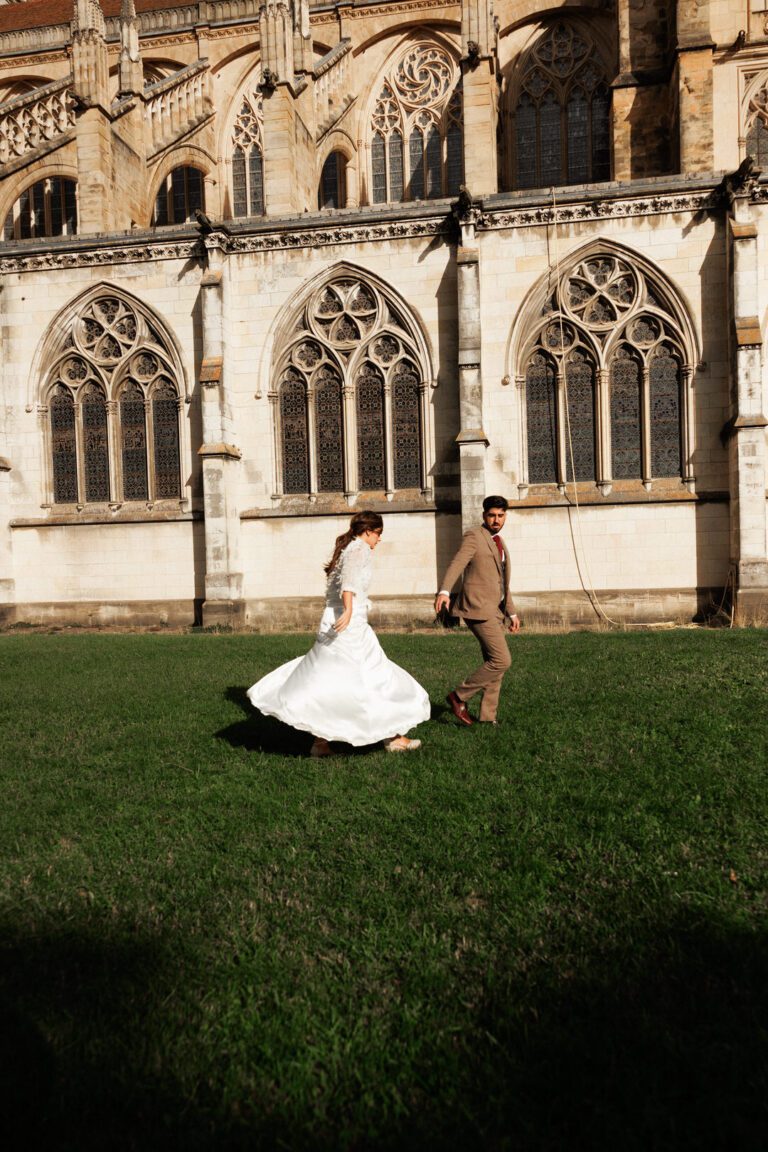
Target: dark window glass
[239,190]
[295,436]
[580,378]
[601,152]
[64,446]
[626,433]
[551,146]
[165,434]
[434,164]
[370,428]
[416,160]
[455,161]
[133,443]
[406,440]
[395,167]
[578,144]
[541,418]
[526,143]
[330,431]
[666,457]
[256,170]
[379,190]
[95,445]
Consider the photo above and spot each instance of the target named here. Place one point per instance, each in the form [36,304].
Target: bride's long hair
[360,522]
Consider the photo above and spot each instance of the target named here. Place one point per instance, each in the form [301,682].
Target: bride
[345,688]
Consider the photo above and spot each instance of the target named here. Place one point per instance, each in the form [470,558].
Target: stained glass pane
[580,379]
[370,428]
[757,141]
[455,161]
[378,170]
[239,195]
[38,203]
[626,436]
[526,143]
[161,206]
[434,164]
[666,456]
[395,167]
[329,425]
[56,207]
[165,431]
[405,426]
[578,151]
[551,146]
[133,443]
[541,419]
[256,172]
[25,215]
[295,436]
[416,161]
[95,446]
[64,446]
[601,151]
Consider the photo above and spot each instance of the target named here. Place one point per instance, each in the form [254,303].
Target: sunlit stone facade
[266,263]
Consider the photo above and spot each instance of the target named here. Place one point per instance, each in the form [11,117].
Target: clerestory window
[182,191]
[350,397]
[416,129]
[247,158]
[47,208]
[114,408]
[757,127]
[606,381]
[561,113]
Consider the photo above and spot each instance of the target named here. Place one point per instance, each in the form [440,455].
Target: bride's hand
[343,620]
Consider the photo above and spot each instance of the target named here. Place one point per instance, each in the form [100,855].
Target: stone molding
[291,237]
[384,9]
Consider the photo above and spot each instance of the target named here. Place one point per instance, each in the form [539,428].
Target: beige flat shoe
[402,744]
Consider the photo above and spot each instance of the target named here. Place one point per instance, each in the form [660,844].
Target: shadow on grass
[661,1045]
[259,733]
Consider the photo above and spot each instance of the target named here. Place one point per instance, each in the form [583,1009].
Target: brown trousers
[487,679]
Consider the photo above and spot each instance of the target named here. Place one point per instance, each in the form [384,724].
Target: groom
[486,606]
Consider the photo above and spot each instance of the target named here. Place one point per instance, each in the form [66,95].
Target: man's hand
[514,623]
[441,601]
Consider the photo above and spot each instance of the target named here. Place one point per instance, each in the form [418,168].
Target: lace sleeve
[356,569]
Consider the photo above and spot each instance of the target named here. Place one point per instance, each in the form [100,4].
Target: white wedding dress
[345,688]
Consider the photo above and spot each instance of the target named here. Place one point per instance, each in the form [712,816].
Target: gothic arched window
[182,191]
[350,396]
[47,208]
[247,159]
[114,407]
[606,380]
[416,129]
[561,113]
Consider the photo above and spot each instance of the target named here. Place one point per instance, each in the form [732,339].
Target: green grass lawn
[548,936]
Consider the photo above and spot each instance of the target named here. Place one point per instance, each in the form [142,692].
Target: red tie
[497,541]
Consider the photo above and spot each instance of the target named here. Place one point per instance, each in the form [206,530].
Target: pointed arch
[604,351]
[111,391]
[349,388]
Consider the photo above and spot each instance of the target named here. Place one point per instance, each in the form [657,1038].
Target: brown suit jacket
[483,588]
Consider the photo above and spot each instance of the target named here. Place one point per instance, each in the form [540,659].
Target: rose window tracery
[416,129]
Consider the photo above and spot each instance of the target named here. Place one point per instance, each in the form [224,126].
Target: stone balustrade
[30,120]
[176,104]
[332,84]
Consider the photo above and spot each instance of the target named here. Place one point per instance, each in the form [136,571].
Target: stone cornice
[364,227]
[386,8]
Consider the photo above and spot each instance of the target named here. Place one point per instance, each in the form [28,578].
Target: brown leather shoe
[459,709]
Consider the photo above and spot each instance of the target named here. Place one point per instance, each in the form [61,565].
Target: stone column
[220,460]
[287,108]
[90,82]
[471,439]
[695,49]
[747,444]
[480,96]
